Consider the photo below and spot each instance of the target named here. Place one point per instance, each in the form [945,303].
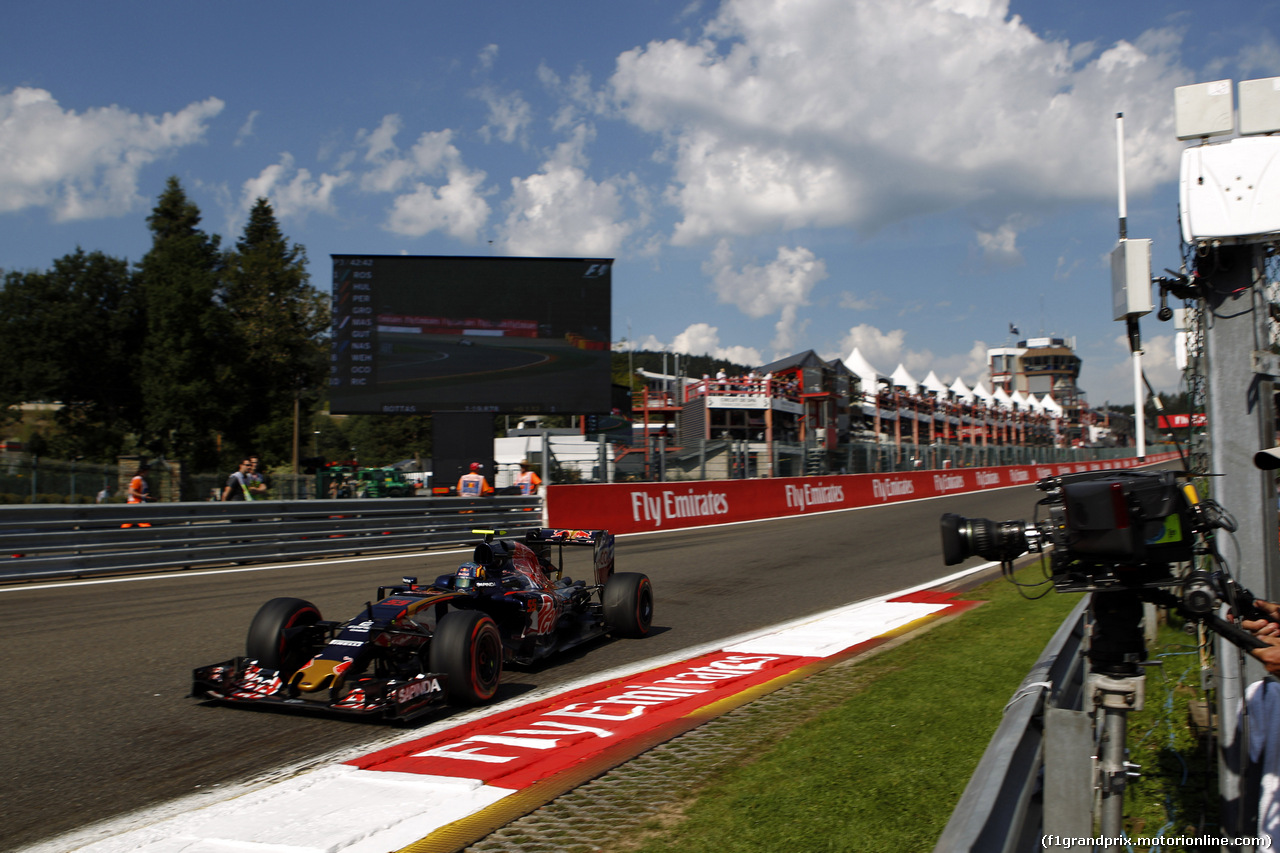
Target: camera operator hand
[1268,609]
[1270,656]
[1268,631]
[1269,626]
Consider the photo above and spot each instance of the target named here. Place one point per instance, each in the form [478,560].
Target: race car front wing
[244,680]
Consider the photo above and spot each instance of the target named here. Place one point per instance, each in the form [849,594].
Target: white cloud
[652,344]
[830,113]
[245,132]
[759,291]
[1262,59]
[781,286]
[788,332]
[853,302]
[85,165]
[698,339]
[389,169]
[1001,245]
[488,56]
[457,206]
[704,339]
[380,144]
[560,210]
[1114,380]
[745,356]
[577,97]
[509,115]
[293,192]
[882,350]
[1158,361]
[739,188]
[971,366]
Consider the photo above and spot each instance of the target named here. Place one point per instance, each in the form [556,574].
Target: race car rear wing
[540,539]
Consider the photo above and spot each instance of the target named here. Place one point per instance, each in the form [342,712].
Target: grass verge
[884,769]
[1177,793]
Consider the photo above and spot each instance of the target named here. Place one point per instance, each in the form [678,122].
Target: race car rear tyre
[628,604]
[278,638]
[467,649]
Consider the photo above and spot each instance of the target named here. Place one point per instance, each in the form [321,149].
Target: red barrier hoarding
[1200,419]
[639,507]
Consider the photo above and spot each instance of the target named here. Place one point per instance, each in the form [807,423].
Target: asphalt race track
[96,673]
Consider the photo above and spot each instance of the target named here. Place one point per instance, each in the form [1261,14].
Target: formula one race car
[422,644]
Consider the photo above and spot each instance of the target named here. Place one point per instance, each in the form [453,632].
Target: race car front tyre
[278,636]
[628,604]
[467,649]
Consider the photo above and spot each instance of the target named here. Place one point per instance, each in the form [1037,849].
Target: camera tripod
[1115,686]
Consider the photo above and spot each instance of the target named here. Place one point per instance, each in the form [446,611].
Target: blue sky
[905,176]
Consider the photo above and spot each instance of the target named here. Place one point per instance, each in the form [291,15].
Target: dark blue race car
[423,644]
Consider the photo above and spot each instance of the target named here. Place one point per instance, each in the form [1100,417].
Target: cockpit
[513,565]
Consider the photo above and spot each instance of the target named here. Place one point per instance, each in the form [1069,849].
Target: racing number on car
[546,614]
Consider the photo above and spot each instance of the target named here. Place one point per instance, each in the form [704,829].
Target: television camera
[1120,533]
[1126,538]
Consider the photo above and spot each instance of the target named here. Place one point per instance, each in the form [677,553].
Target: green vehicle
[350,481]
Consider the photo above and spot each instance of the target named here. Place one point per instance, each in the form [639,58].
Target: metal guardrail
[39,541]
[1002,808]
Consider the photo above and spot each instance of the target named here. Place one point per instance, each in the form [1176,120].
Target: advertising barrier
[641,507]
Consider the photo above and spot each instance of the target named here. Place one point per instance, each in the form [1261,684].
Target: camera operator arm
[1234,634]
[1198,609]
[1267,654]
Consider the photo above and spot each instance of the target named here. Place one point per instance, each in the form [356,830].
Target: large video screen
[422,334]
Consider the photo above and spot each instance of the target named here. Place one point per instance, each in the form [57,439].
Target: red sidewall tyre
[628,604]
[467,650]
[274,640]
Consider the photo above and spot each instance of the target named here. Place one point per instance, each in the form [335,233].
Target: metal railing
[30,479]
[76,540]
[1002,808]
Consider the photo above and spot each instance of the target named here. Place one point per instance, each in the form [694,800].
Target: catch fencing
[79,540]
[36,480]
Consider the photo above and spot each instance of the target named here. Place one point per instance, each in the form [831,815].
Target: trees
[278,321]
[387,439]
[184,373]
[73,335]
[195,354]
[233,339]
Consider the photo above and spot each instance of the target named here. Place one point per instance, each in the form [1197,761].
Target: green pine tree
[278,327]
[185,369]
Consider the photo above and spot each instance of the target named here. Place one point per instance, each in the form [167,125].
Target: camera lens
[954,546]
[966,537]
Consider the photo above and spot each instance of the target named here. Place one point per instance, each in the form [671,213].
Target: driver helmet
[468,575]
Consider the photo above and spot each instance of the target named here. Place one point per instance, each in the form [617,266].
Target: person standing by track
[473,484]
[528,479]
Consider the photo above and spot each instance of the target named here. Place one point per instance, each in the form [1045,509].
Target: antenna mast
[1131,320]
